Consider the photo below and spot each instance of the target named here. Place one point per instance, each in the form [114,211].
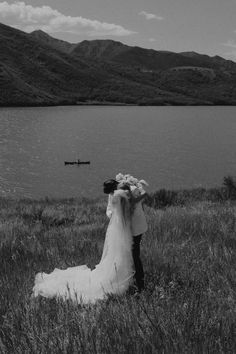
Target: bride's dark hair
[110,185]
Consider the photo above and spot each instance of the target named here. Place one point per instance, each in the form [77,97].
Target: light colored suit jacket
[138,219]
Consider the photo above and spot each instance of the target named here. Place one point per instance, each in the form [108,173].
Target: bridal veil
[112,275]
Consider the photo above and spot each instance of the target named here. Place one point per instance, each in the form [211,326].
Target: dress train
[113,274]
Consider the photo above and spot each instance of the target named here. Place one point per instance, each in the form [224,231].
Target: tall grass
[165,198]
[189,305]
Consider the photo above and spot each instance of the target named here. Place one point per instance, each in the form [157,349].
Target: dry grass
[189,305]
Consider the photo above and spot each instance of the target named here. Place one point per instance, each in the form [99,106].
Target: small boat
[78,162]
[83,163]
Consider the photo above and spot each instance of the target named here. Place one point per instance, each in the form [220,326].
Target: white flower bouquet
[131,181]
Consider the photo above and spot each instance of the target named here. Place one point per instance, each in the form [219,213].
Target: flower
[119,177]
[143,182]
[127,179]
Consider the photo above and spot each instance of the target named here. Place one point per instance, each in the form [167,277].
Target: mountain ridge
[37,69]
[56,43]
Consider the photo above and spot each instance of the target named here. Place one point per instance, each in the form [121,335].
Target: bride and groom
[120,261]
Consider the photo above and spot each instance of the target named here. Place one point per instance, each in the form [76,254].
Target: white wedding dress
[112,275]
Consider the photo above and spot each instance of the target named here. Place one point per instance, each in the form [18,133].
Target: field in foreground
[189,305]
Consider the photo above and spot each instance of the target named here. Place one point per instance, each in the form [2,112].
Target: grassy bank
[189,305]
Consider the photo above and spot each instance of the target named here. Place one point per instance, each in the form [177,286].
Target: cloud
[149,16]
[29,18]
[230,43]
[232,54]
[152,39]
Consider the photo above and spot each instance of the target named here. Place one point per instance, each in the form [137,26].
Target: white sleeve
[109,208]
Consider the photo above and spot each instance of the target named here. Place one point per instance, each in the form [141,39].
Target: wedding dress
[112,275]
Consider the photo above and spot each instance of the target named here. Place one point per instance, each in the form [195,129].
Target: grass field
[189,305]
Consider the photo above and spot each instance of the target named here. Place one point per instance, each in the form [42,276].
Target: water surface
[170,147]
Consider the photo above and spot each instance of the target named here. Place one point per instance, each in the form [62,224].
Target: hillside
[44,38]
[108,50]
[33,72]
[37,69]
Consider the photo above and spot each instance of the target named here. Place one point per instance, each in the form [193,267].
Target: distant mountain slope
[37,69]
[100,49]
[31,71]
[130,56]
[213,62]
[53,42]
[34,72]
[109,50]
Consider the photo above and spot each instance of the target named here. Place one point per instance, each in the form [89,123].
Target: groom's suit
[138,228]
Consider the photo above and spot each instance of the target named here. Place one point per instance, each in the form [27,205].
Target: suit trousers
[139,274]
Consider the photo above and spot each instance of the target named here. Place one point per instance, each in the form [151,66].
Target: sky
[203,26]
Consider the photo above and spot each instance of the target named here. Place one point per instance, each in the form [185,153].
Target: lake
[170,147]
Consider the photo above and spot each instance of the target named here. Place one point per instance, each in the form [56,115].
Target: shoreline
[115,104]
[161,198]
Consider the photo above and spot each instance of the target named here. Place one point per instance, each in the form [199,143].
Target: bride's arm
[119,193]
[109,208]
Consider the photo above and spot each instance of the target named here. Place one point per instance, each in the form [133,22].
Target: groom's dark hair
[110,185]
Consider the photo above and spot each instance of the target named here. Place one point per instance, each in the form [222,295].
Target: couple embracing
[120,262]
[138,224]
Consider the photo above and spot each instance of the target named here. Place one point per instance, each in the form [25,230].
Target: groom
[138,225]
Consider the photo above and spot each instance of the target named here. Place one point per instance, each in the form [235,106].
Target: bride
[113,274]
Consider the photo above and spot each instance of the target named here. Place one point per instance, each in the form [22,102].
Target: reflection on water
[171,147]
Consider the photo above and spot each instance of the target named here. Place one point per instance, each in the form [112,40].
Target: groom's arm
[137,196]
[140,198]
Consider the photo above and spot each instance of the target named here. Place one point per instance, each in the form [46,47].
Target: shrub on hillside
[230,187]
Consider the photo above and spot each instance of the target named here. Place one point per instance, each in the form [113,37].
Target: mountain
[35,72]
[32,72]
[117,52]
[207,61]
[109,50]
[37,69]
[44,38]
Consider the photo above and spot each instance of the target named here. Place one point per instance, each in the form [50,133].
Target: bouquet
[131,181]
